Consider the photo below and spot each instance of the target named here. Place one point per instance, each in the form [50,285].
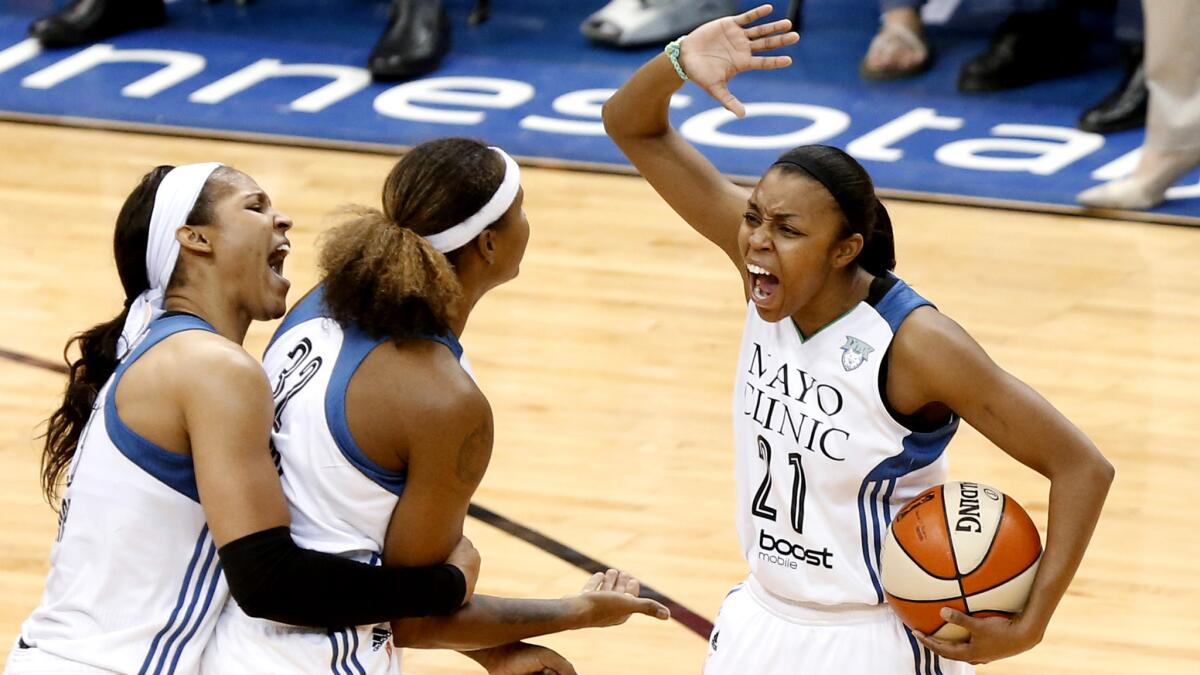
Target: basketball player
[381,434]
[850,385]
[163,439]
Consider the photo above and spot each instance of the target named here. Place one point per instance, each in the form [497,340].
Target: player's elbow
[609,115]
[1104,470]
[412,633]
[253,604]
[1093,469]
[618,124]
[255,601]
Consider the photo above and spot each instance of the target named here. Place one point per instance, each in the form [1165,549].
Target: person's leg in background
[416,39]
[85,21]
[1125,107]
[1040,40]
[1172,145]
[900,48]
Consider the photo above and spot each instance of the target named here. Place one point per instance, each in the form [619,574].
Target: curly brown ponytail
[379,272]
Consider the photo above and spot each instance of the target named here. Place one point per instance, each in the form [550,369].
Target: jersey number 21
[759,506]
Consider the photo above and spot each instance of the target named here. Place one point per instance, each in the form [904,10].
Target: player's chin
[272,305]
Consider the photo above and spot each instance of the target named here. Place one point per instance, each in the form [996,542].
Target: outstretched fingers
[769,63]
[633,587]
[774,42]
[594,582]
[726,98]
[653,608]
[747,18]
[755,32]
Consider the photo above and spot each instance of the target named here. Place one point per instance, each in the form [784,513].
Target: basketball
[962,545]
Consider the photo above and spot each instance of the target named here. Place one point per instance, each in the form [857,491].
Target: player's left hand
[520,658]
[610,598]
[714,53]
[991,638]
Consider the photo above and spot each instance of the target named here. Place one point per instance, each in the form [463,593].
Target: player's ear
[485,244]
[194,239]
[845,251]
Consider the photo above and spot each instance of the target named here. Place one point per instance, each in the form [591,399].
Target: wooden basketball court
[609,364]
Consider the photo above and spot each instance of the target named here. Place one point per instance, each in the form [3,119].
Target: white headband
[456,237]
[173,201]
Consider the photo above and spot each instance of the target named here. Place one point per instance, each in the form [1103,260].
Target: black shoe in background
[1125,107]
[416,39]
[1028,48]
[86,21]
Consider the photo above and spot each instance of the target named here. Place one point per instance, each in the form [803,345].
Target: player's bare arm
[227,410]
[935,361]
[636,119]
[447,455]
[444,443]
[607,599]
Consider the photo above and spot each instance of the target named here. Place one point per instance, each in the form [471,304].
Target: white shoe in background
[631,23]
[1147,187]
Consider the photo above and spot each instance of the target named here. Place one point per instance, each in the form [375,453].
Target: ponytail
[386,279]
[380,273]
[852,189]
[85,376]
[878,255]
[97,346]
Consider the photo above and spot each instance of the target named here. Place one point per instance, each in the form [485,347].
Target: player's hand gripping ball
[966,546]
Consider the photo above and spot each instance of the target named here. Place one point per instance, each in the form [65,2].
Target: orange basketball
[961,545]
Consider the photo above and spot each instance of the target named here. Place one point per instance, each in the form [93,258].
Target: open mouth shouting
[763,284]
[275,261]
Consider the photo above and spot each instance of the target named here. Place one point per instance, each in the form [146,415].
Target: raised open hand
[713,53]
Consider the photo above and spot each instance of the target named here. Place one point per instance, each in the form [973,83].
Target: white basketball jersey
[822,464]
[135,585]
[340,501]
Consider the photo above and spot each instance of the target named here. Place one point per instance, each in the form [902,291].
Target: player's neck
[470,296]
[476,281]
[840,294]
[229,322]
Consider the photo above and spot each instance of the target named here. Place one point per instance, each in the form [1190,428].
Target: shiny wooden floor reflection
[609,364]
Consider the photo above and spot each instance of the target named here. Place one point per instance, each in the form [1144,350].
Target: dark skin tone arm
[636,118]
[937,366]
[199,394]
[442,436]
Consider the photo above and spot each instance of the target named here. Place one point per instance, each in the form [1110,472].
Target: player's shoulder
[201,356]
[923,325]
[927,338]
[442,390]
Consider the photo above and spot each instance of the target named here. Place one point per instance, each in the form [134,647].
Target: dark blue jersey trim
[356,346]
[174,470]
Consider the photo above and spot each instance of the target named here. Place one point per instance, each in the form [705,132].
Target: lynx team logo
[854,353]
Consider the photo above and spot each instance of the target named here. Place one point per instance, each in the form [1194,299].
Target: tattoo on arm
[515,611]
[474,454]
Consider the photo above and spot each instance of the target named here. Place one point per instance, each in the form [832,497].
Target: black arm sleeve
[272,578]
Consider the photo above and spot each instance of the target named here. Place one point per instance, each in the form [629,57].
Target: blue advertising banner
[293,71]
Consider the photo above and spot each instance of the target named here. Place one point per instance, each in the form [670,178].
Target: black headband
[817,170]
